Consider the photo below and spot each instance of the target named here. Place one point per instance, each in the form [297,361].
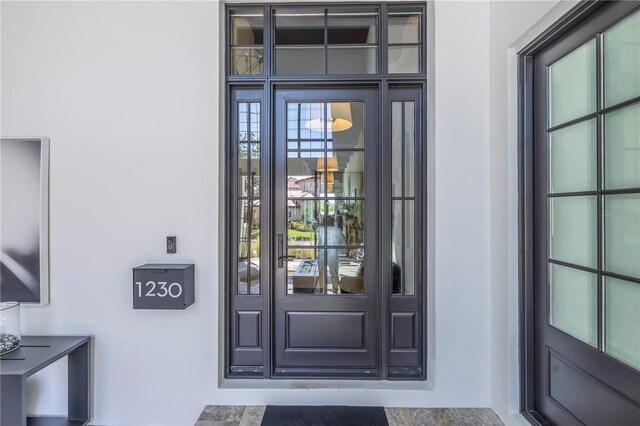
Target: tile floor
[226,415]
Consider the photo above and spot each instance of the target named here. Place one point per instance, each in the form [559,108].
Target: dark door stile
[565,380]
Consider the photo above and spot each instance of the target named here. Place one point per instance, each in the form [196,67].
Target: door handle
[281,256]
[280,250]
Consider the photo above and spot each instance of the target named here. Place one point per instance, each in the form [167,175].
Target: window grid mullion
[403,203]
[600,197]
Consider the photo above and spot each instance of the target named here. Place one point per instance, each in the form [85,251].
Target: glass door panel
[622,321]
[622,61]
[572,85]
[622,148]
[325,195]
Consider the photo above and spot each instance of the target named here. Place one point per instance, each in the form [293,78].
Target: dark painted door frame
[289,309]
[528,180]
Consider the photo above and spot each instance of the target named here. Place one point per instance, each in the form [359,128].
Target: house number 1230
[159,289]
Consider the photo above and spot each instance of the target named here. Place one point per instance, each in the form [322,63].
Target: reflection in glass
[306,270]
[622,61]
[403,29]
[404,59]
[254,119]
[243,172]
[305,224]
[249,149]
[409,249]
[409,148]
[622,234]
[248,243]
[347,125]
[397,258]
[572,158]
[299,60]
[299,28]
[325,161]
[574,302]
[573,230]
[345,171]
[351,28]
[247,29]
[249,180]
[396,148]
[302,130]
[622,148]
[305,174]
[350,223]
[346,271]
[243,122]
[248,247]
[622,321]
[253,179]
[403,247]
[572,85]
[247,61]
[352,60]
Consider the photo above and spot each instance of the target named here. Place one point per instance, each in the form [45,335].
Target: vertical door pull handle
[280,250]
[281,256]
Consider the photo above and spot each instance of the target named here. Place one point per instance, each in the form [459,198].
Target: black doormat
[310,415]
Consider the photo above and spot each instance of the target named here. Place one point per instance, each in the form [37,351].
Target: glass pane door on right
[594,183]
[587,221]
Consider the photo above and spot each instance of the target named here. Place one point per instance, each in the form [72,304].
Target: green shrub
[297,225]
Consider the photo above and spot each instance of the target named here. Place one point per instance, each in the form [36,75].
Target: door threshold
[325,373]
[325,383]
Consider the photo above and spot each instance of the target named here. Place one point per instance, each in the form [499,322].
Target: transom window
[340,40]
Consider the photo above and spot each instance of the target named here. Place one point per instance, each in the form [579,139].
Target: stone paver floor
[227,415]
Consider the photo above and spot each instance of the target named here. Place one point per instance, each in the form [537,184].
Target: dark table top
[37,352]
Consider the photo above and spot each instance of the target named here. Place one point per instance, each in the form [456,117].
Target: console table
[34,354]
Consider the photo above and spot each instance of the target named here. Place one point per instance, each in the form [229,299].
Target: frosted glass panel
[572,85]
[572,158]
[622,321]
[622,61]
[574,302]
[572,230]
[622,234]
[622,148]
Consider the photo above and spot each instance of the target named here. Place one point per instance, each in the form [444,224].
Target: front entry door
[326,268]
[586,221]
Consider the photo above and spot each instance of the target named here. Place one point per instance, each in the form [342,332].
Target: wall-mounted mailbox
[163,286]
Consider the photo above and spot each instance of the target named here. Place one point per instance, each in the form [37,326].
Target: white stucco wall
[129,94]
[513,24]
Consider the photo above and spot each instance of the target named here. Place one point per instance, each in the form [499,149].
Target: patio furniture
[34,354]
